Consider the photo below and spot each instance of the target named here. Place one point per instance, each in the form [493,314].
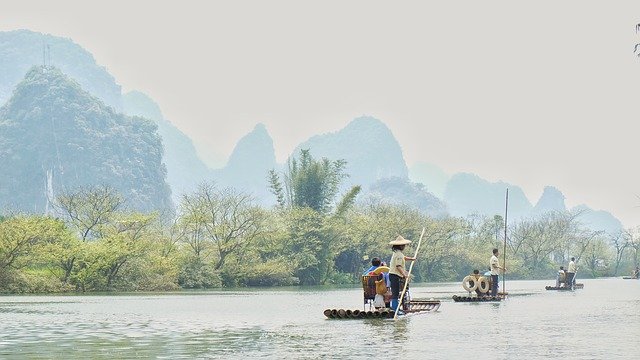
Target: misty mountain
[399,191]
[469,194]
[54,136]
[598,220]
[185,170]
[552,200]
[22,49]
[433,177]
[368,146]
[249,165]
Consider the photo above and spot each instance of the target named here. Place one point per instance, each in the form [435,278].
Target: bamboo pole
[406,281]
[504,248]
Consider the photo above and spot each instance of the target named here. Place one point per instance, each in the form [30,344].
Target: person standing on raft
[494,264]
[571,273]
[397,268]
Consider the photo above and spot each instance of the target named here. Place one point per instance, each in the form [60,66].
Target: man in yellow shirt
[397,268]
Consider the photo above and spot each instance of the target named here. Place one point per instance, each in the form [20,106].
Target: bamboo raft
[576,286]
[457,298]
[414,307]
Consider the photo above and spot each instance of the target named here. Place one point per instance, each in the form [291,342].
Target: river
[600,321]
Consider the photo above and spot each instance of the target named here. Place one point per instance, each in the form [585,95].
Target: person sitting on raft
[397,268]
[376,263]
[476,274]
[561,277]
[383,297]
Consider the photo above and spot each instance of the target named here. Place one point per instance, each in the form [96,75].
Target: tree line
[220,237]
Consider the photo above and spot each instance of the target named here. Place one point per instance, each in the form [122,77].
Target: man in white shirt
[494,264]
[571,273]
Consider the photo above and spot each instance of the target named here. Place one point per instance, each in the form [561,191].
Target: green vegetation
[220,237]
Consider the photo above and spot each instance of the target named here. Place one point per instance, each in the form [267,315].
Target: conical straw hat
[400,241]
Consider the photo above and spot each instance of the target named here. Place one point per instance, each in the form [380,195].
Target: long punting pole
[504,249]
[406,281]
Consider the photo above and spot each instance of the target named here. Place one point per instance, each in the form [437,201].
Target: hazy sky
[538,93]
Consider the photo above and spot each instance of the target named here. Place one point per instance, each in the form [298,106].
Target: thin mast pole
[406,281]
[504,248]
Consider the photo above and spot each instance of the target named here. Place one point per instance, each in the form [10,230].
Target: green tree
[217,224]
[316,221]
[310,183]
[88,211]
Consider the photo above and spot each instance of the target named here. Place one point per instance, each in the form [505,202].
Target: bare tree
[620,244]
[226,219]
[86,209]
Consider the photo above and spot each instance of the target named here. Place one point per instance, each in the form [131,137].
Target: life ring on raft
[483,284]
[470,279]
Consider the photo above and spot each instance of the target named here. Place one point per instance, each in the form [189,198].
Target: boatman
[494,264]
[397,269]
[571,273]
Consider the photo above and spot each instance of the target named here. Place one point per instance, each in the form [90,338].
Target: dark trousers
[571,278]
[494,285]
[395,286]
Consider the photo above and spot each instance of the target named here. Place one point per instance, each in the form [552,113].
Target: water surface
[600,321]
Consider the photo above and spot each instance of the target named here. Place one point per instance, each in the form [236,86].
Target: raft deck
[561,288]
[457,298]
[414,307]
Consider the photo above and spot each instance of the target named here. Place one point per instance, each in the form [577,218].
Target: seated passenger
[375,263]
[561,277]
[476,274]
[384,299]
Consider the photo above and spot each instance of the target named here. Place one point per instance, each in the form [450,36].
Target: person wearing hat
[397,268]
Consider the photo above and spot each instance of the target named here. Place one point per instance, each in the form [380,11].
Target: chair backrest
[369,286]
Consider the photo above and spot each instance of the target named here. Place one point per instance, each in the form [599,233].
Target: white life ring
[470,279]
[483,284]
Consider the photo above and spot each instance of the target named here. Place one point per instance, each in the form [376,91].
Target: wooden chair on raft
[369,288]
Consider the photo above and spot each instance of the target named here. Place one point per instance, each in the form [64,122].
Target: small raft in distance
[561,288]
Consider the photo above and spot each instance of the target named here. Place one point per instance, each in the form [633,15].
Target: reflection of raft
[576,286]
[414,307]
[457,298]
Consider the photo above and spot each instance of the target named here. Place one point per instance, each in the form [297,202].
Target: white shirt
[396,259]
[493,264]
[572,267]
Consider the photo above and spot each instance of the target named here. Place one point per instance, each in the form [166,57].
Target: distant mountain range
[374,156]
[20,50]
[185,170]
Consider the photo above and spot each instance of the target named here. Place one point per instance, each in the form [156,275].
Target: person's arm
[402,271]
[409,258]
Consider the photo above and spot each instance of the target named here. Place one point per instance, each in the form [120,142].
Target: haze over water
[600,321]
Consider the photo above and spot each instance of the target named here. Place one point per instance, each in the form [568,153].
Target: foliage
[219,238]
[309,182]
